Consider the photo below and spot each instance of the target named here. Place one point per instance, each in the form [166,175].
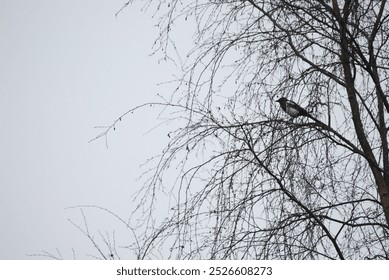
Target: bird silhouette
[291,108]
[294,110]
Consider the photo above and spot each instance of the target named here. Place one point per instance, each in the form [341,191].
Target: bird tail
[313,118]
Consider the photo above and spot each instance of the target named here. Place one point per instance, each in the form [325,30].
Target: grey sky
[65,67]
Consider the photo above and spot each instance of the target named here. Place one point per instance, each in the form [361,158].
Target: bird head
[282,99]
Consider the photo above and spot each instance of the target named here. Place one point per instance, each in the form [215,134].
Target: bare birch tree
[250,182]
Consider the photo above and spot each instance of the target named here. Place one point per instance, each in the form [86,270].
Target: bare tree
[250,183]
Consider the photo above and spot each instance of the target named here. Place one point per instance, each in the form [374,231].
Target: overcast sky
[65,67]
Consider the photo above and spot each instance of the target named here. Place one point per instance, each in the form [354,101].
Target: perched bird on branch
[292,108]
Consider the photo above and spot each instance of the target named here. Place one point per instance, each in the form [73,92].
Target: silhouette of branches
[241,181]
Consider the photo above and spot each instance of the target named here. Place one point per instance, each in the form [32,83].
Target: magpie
[292,108]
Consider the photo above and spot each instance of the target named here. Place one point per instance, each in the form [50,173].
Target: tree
[251,184]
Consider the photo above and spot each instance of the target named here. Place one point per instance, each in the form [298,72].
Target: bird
[292,109]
